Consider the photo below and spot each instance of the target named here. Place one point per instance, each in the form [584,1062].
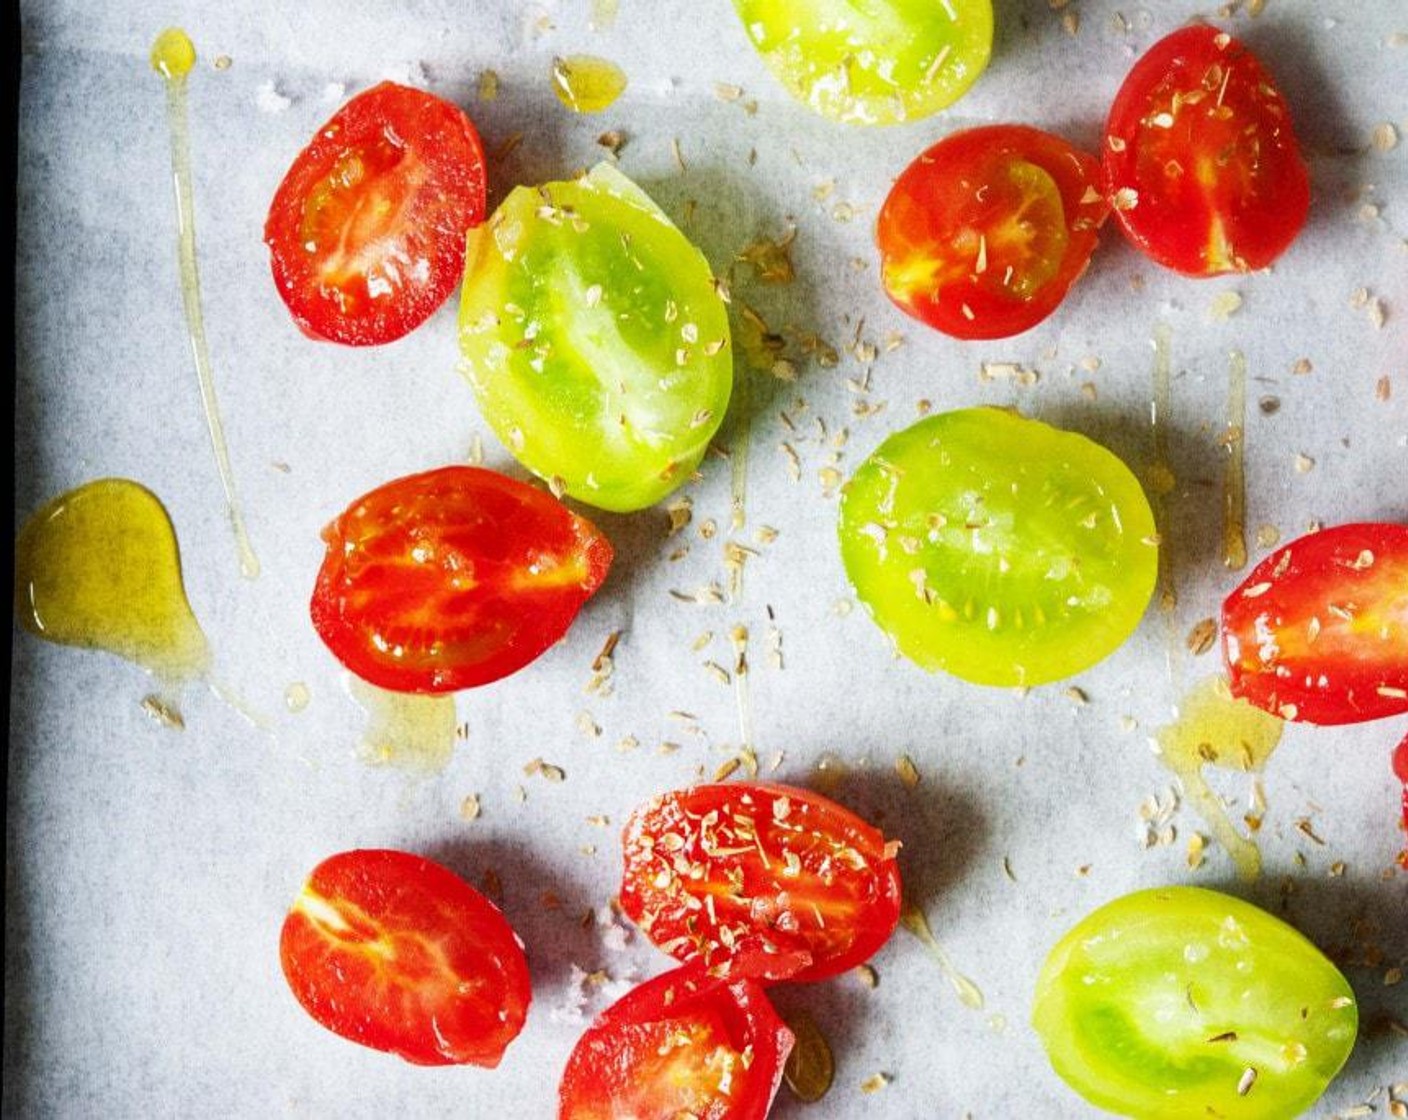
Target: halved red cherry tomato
[683,1044]
[984,234]
[1201,163]
[1319,631]
[771,881]
[453,578]
[1400,768]
[366,233]
[400,954]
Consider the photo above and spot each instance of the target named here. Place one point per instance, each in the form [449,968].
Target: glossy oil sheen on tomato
[873,61]
[1182,1004]
[1201,161]
[999,549]
[595,340]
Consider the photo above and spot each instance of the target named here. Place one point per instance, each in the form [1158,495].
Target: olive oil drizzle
[1161,478]
[172,56]
[913,920]
[1234,479]
[405,730]
[586,83]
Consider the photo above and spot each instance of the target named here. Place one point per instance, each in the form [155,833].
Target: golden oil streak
[738,453]
[913,920]
[177,123]
[1234,479]
[1161,477]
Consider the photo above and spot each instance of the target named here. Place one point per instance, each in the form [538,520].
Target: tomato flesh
[1201,162]
[761,881]
[453,578]
[877,62]
[683,1044]
[1400,769]
[1159,1003]
[595,339]
[999,549]
[398,953]
[366,233]
[983,235]
[1318,631]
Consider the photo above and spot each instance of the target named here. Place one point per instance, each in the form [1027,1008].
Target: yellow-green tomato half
[1183,1004]
[872,61]
[999,549]
[595,339]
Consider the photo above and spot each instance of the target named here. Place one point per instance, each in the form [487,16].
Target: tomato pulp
[984,233]
[400,954]
[452,579]
[366,233]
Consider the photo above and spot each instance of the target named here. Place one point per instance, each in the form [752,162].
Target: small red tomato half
[1400,769]
[683,1044]
[1319,631]
[366,233]
[453,578]
[984,234]
[400,954]
[1201,163]
[764,881]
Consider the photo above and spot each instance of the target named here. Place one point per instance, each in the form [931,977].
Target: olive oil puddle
[587,84]
[1215,729]
[172,56]
[405,730]
[100,568]
[913,920]
[810,1067]
[1234,479]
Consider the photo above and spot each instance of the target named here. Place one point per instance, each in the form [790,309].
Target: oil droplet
[913,919]
[810,1067]
[997,1023]
[831,772]
[172,57]
[405,729]
[296,697]
[603,15]
[1234,480]
[1161,478]
[587,84]
[1215,729]
[173,53]
[99,568]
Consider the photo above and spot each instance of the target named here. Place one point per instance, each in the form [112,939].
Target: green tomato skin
[595,340]
[999,549]
[872,61]
[1157,1004]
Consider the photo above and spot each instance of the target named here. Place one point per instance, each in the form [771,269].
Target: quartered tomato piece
[983,235]
[595,339]
[1201,162]
[366,232]
[400,954]
[1185,1004]
[1319,631]
[683,1044]
[999,549]
[876,62]
[453,578]
[760,881]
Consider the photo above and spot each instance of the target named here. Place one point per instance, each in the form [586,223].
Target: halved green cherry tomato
[1318,632]
[876,61]
[1183,1004]
[1201,162]
[760,881]
[999,549]
[686,1044]
[453,578]
[984,234]
[366,232]
[398,953]
[595,339]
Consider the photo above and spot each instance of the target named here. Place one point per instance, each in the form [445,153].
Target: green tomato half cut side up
[595,339]
[1182,1004]
[998,549]
[872,61]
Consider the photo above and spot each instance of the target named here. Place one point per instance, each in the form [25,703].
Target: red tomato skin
[762,924]
[1400,770]
[1318,632]
[373,598]
[1259,196]
[405,914]
[408,135]
[610,1066]
[916,221]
